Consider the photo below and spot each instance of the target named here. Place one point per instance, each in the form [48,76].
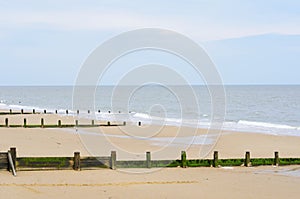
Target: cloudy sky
[251,42]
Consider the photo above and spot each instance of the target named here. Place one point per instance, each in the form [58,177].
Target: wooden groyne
[77,162]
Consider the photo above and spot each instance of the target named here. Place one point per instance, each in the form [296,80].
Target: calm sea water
[265,109]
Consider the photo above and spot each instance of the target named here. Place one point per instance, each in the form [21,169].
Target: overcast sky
[250,41]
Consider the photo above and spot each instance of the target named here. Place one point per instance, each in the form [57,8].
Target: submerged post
[113,160]
[76,160]
[247,159]
[276,159]
[42,122]
[6,122]
[183,159]
[148,159]
[216,159]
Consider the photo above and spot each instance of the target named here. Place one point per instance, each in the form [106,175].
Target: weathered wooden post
[139,123]
[25,123]
[76,160]
[124,123]
[113,160]
[10,111]
[13,152]
[59,123]
[276,159]
[183,159]
[108,123]
[22,111]
[6,122]
[45,111]
[148,159]
[76,122]
[42,122]
[33,111]
[216,159]
[67,112]
[93,122]
[55,111]
[11,166]
[247,159]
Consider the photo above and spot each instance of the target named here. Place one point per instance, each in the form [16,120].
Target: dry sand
[239,182]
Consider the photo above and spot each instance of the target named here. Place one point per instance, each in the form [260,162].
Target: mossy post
[216,159]
[6,122]
[76,160]
[13,152]
[276,158]
[42,122]
[148,159]
[113,160]
[183,159]
[33,111]
[59,123]
[76,122]
[25,123]
[108,123]
[93,122]
[22,111]
[247,159]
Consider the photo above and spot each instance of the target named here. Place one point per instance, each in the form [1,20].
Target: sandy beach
[237,182]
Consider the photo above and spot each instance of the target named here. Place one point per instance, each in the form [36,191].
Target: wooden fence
[83,163]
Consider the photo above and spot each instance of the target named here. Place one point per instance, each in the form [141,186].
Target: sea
[268,109]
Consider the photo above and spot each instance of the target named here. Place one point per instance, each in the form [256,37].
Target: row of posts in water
[56,112]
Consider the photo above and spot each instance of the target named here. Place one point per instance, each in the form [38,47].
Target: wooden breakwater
[76,162]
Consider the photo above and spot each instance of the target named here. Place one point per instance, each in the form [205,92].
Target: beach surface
[131,142]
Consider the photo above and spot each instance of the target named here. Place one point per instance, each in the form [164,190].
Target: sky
[250,41]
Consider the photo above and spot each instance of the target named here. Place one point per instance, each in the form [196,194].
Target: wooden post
[148,159]
[139,123]
[59,123]
[98,111]
[276,159]
[42,122]
[55,111]
[10,111]
[93,122]
[113,160]
[25,123]
[216,159]
[89,111]
[13,152]
[119,111]
[76,122]
[108,111]
[6,122]
[183,159]
[67,112]
[22,111]
[76,160]
[11,164]
[108,123]
[247,159]
[124,123]
[45,111]
[77,112]
[33,111]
